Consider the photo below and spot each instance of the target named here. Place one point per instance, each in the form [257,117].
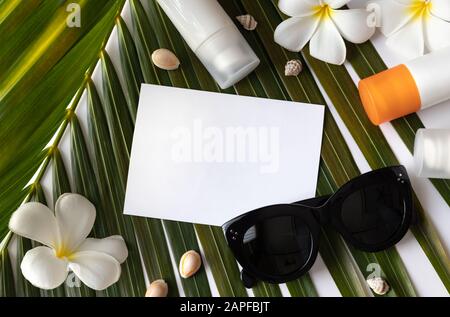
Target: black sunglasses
[279,243]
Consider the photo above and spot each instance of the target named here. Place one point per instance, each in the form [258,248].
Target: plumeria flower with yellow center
[96,262]
[412,25]
[320,23]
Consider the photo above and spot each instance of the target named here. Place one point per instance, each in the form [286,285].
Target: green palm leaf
[118,118]
[6,273]
[23,287]
[30,19]
[100,155]
[157,263]
[182,238]
[267,290]
[131,282]
[34,98]
[130,67]
[112,180]
[223,265]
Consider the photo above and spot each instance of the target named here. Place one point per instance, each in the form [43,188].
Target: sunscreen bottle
[213,37]
[407,88]
[432,153]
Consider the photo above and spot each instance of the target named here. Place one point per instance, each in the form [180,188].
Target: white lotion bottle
[213,37]
[407,88]
[432,153]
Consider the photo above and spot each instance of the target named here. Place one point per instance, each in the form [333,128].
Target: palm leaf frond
[42,107]
[100,151]
[182,238]
[6,273]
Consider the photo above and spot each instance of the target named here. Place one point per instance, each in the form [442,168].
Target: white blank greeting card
[206,158]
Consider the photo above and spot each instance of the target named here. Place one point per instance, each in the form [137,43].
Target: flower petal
[353,25]
[393,16]
[96,270]
[437,33]
[409,40]
[35,221]
[295,8]
[43,269]
[407,2]
[114,246]
[75,216]
[336,4]
[327,44]
[441,9]
[294,33]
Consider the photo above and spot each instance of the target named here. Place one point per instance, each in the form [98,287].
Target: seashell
[165,59]
[293,67]
[190,263]
[248,22]
[378,285]
[158,288]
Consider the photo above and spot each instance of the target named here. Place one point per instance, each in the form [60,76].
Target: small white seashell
[293,67]
[165,59]
[158,288]
[190,263]
[248,22]
[378,285]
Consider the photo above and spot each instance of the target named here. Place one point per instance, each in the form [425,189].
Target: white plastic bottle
[213,37]
[432,153]
[407,88]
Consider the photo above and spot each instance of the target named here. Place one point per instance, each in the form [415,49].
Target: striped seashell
[378,285]
[248,22]
[293,68]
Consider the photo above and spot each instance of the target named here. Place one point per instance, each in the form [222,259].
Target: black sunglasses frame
[316,212]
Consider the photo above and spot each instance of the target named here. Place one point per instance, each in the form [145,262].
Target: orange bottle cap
[389,95]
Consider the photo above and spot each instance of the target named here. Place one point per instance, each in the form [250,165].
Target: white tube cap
[227,56]
[432,153]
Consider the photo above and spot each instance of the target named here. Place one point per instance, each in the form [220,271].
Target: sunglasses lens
[374,214]
[278,246]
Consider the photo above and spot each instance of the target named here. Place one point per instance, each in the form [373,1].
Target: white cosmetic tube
[213,37]
[432,153]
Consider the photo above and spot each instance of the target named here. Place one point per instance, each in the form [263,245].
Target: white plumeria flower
[320,22]
[412,25]
[96,262]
